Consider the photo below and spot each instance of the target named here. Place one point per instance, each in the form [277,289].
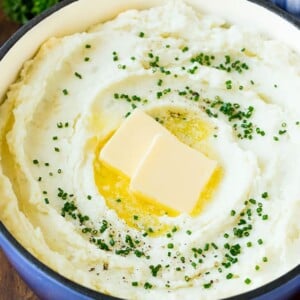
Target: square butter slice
[131,141]
[172,174]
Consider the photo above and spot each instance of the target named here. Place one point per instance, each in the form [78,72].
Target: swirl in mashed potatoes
[221,90]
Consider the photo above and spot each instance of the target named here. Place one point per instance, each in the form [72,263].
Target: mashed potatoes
[226,91]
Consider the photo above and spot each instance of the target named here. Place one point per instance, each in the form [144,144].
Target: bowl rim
[257,292]
[85,291]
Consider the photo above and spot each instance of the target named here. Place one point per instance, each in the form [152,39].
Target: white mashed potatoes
[226,91]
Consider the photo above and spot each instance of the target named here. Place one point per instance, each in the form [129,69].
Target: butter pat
[131,141]
[159,166]
[172,174]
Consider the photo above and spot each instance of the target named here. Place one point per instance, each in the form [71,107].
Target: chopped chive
[252,201]
[60,125]
[185,49]
[207,285]
[214,246]
[148,285]
[170,246]
[174,229]
[78,75]
[160,82]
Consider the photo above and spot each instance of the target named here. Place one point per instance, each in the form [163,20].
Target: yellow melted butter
[138,211]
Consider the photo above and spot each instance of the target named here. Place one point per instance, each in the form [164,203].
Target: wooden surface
[11,285]
[7,28]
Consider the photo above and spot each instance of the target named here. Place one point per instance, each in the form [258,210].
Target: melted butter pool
[139,212]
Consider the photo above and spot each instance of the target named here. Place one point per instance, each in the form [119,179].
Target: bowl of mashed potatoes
[149,150]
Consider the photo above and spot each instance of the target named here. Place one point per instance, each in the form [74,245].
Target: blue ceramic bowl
[292,6]
[46,283]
